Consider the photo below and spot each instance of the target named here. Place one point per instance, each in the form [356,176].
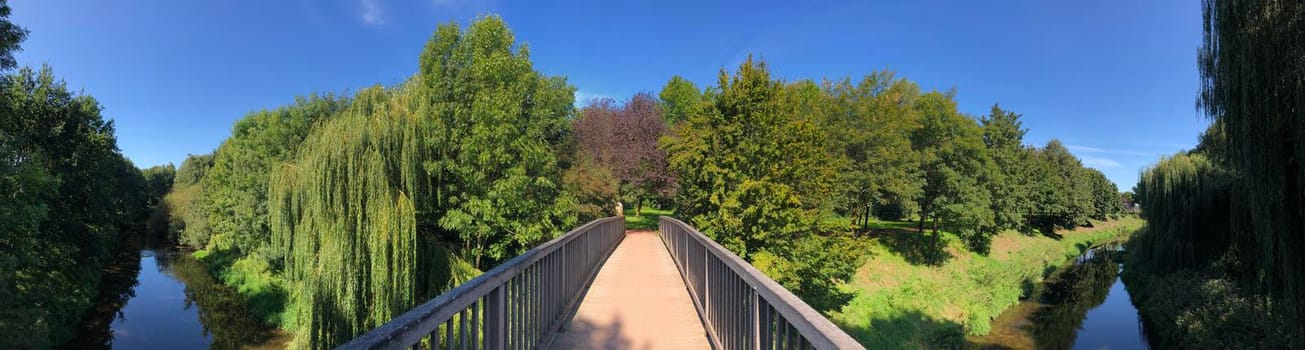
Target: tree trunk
[866,225]
[638,206]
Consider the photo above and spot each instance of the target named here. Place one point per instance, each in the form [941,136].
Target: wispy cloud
[582,98]
[371,12]
[1100,163]
[1087,149]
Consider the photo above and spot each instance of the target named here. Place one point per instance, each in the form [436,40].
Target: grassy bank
[647,220]
[917,292]
[264,292]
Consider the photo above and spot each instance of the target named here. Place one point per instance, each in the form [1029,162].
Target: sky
[1114,80]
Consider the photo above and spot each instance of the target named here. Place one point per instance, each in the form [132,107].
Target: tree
[1105,195]
[70,195]
[158,182]
[624,140]
[680,98]
[1251,74]
[187,221]
[235,192]
[955,166]
[1063,196]
[1010,188]
[872,122]
[1185,200]
[411,189]
[593,188]
[11,36]
[753,172]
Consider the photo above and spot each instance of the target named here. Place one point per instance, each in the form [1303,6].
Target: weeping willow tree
[1252,65]
[1186,201]
[411,189]
[344,213]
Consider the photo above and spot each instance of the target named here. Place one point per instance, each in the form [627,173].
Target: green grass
[265,293]
[646,221]
[914,292]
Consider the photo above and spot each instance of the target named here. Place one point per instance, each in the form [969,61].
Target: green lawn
[915,292]
[646,221]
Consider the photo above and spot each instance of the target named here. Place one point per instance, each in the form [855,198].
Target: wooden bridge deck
[637,301]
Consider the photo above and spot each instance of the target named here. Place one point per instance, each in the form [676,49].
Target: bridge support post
[494,319]
[757,339]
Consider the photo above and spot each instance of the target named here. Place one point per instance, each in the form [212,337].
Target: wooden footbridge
[601,287]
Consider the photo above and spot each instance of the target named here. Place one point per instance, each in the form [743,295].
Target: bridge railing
[741,307]
[518,305]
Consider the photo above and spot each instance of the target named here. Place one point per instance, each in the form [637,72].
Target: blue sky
[1115,80]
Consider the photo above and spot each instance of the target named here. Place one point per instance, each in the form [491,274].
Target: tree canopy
[411,188]
[624,141]
[70,195]
[753,172]
[955,165]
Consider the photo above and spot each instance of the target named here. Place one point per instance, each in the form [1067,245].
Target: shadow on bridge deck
[637,301]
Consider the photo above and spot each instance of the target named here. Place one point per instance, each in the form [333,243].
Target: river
[163,298]
[1083,305]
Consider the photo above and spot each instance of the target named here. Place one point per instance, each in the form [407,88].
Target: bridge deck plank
[637,301]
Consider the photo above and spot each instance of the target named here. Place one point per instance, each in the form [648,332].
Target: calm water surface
[1081,306]
[165,299]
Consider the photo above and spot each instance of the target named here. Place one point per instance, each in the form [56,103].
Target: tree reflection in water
[222,312]
[1069,294]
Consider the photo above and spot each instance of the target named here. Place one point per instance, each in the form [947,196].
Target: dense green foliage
[680,98]
[955,165]
[754,172]
[1012,183]
[70,196]
[872,122]
[410,189]
[762,164]
[1186,200]
[1252,75]
[235,190]
[158,182]
[67,198]
[187,221]
[11,36]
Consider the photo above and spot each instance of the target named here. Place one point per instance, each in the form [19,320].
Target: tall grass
[908,303]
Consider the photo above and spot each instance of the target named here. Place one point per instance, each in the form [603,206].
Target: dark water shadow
[118,285]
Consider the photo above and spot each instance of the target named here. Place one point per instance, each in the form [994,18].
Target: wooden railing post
[494,317]
[706,284]
[756,319]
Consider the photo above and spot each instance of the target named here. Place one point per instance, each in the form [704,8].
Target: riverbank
[264,293]
[917,292]
[1200,308]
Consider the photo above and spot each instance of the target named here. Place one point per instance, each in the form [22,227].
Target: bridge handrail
[741,307]
[518,304]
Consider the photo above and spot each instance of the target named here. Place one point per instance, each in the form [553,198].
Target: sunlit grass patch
[647,220]
[907,301]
